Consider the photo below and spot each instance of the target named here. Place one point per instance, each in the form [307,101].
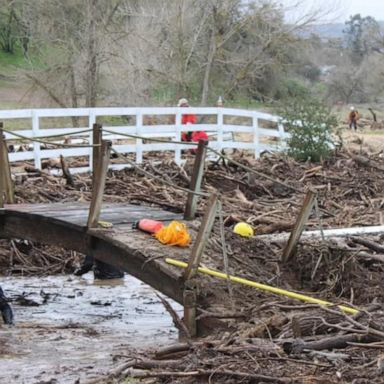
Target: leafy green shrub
[292,88]
[310,124]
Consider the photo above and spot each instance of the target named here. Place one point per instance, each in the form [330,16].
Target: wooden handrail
[99,179]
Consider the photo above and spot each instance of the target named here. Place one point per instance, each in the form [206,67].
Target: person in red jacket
[186,119]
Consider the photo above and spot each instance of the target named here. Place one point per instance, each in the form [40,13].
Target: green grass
[372,133]
[12,61]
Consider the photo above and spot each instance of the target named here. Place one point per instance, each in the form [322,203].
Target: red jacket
[192,136]
[191,119]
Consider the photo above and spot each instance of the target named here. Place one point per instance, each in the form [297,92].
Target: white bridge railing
[227,129]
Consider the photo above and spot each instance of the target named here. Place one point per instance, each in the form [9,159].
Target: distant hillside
[332,30]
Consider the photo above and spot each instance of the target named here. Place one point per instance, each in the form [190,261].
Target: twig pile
[259,340]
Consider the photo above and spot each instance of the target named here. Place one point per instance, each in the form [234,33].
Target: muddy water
[69,328]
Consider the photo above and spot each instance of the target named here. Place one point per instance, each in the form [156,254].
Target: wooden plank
[302,219]
[202,237]
[116,221]
[98,192]
[125,208]
[197,177]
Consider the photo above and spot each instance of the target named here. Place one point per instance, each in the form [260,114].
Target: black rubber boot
[102,271]
[6,310]
[85,267]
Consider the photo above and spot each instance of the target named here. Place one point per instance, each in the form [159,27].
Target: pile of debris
[258,339]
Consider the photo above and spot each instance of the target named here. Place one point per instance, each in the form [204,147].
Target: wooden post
[66,172]
[6,185]
[96,150]
[202,237]
[189,301]
[294,238]
[190,295]
[197,177]
[99,184]
[2,169]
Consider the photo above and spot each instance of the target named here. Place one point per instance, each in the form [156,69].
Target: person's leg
[85,267]
[104,271]
[6,310]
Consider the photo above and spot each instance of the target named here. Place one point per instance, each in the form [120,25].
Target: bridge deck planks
[136,252]
[77,213]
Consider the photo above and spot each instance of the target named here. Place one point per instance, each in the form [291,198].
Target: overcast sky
[374,8]
[334,10]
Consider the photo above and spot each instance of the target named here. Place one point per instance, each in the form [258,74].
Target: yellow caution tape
[264,287]
[105,224]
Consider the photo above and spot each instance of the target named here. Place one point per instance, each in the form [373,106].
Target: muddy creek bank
[68,328]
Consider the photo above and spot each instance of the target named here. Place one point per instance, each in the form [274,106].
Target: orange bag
[175,233]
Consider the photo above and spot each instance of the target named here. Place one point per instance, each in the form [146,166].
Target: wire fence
[133,164]
[45,142]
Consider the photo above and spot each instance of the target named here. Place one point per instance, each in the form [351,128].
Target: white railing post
[139,142]
[91,122]
[36,145]
[220,128]
[178,129]
[256,136]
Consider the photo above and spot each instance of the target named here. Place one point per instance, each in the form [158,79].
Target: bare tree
[122,52]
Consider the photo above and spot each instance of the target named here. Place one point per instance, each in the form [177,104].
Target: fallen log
[365,162]
[181,348]
[369,244]
[335,342]
[234,374]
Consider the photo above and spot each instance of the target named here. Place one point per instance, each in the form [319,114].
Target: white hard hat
[182,102]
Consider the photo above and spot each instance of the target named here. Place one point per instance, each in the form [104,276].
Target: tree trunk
[181,88]
[208,68]
[74,101]
[91,77]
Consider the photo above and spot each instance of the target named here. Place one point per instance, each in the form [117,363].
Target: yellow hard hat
[243,229]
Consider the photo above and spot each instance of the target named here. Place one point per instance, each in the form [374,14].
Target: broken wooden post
[66,172]
[2,169]
[96,150]
[190,295]
[197,177]
[6,185]
[189,302]
[297,230]
[99,184]
[202,237]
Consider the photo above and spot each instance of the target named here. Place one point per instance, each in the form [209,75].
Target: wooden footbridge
[75,226]
[65,225]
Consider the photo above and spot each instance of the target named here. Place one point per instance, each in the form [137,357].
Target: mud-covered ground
[70,328]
